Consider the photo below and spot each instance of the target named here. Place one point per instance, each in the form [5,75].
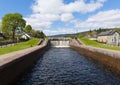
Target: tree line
[14,24]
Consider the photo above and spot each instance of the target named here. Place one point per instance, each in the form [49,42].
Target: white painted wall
[114,39]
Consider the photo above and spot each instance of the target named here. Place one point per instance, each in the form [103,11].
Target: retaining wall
[14,64]
[110,59]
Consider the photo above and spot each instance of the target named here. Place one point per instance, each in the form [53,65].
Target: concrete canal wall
[14,64]
[108,58]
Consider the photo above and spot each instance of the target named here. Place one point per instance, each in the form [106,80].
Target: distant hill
[63,35]
[117,29]
[94,33]
[87,34]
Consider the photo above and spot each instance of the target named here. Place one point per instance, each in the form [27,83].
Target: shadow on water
[64,66]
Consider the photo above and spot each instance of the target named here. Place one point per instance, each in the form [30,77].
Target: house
[22,35]
[110,37]
[25,36]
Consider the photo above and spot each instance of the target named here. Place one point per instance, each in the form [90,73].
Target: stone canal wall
[111,53]
[110,59]
[14,64]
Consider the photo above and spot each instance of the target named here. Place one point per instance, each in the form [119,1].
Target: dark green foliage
[101,30]
[38,34]
[28,28]
[34,33]
[41,34]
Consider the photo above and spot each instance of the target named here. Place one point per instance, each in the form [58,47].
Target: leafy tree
[28,28]
[40,34]
[11,23]
[33,33]
[0,29]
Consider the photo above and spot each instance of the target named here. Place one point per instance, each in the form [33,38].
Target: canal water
[64,66]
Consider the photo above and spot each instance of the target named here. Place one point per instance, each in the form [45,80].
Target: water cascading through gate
[60,42]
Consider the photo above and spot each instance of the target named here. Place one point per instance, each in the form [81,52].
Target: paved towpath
[17,54]
[111,53]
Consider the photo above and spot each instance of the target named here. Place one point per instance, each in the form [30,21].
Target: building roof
[110,32]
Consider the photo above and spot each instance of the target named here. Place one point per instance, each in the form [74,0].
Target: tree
[33,33]
[11,23]
[0,29]
[40,34]
[28,28]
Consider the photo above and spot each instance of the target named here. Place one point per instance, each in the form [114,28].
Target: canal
[64,66]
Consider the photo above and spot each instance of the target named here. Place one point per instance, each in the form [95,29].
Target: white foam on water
[60,44]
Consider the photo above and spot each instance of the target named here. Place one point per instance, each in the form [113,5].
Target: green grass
[19,46]
[97,44]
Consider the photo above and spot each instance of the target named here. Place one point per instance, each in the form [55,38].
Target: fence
[9,43]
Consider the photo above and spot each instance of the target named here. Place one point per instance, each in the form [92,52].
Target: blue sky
[65,16]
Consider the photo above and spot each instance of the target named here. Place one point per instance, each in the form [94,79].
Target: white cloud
[81,6]
[38,24]
[45,6]
[105,19]
[105,16]
[66,17]
[45,12]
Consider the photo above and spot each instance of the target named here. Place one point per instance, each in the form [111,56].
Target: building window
[112,40]
[115,39]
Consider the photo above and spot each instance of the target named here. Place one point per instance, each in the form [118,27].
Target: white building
[110,37]
[26,36]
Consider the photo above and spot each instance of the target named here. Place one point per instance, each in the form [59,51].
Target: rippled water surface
[64,66]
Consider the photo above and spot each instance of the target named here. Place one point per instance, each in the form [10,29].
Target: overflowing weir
[59,42]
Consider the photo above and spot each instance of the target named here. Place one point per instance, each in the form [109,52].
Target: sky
[65,16]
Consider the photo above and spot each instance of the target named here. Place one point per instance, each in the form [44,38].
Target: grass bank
[97,44]
[20,46]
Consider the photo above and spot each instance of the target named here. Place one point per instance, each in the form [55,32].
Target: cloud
[104,19]
[66,17]
[45,6]
[46,12]
[82,7]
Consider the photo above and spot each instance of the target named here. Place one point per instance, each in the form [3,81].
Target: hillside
[87,34]
[94,33]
